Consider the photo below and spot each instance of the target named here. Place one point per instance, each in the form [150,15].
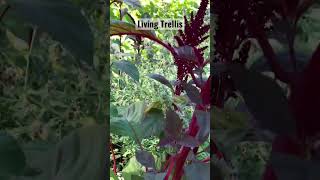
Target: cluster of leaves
[164,119]
[278,92]
[52,89]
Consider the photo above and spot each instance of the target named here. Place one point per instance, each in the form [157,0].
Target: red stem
[206,159]
[184,151]
[113,158]
[171,166]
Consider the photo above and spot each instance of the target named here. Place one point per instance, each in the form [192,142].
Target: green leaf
[125,15]
[133,168]
[137,123]
[197,171]
[229,119]
[13,161]
[161,79]
[265,100]
[61,19]
[16,42]
[113,176]
[79,156]
[125,28]
[128,68]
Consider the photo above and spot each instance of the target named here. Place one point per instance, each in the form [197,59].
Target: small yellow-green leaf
[16,42]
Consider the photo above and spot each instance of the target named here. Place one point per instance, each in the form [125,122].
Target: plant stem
[34,30]
[113,158]
[268,51]
[4,12]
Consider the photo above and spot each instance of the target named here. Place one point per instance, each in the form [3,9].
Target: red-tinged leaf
[162,80]
[288,145]
[305,99]
[165,141]
[186,52]
[192,93]
[269,173]
[173,124]
[188,141]
[146,159]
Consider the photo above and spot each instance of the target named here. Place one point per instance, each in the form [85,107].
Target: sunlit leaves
[16,42]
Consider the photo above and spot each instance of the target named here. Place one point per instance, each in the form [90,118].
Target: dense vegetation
[141,107]
[53,93]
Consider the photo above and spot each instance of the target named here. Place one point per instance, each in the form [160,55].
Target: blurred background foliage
[54,94]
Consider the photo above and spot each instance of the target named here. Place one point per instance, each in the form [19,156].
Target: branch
[4,12]
[113,158]
[258,31]
[167,46]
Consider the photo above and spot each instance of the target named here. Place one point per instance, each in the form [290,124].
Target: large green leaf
[132,169]
[79,156]
[264,99]
[138,123]
[128,68]
[61,19]
[12,161]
